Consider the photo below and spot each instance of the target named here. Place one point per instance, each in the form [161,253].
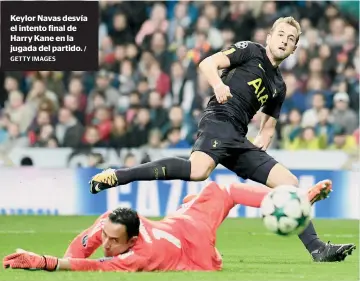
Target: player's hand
[222,93]
[28,260]
[262,142]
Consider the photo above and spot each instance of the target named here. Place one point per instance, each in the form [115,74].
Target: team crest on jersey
[242,44]
[215,143]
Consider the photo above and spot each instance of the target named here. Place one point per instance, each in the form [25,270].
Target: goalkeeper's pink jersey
[183,241]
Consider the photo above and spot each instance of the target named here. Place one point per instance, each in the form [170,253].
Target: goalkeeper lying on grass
[182,241]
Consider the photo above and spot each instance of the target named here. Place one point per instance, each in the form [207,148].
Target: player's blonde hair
[288,20]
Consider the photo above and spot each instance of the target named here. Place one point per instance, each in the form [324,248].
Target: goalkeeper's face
[115,239]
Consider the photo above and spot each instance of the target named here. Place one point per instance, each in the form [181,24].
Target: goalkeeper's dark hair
[127,217]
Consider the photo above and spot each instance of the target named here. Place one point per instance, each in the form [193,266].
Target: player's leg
[279,174]
[199,218]
[206,154]
[242,194]
[252,196]
[320,251]
[197,168]
[211,206]
[246,194]
[257,165]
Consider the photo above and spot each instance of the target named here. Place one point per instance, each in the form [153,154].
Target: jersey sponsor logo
[257,84]
[229,52]
[84,240]
[242,44]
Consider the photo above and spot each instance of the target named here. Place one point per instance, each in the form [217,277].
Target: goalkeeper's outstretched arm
[131,263]
[85,244]
[28,260]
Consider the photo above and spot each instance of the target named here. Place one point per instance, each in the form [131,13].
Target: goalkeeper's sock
[164,169]
[310,239]
[248,195]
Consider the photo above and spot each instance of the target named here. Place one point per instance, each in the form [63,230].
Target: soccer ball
[286,210]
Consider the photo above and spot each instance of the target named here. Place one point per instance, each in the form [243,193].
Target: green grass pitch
[249,252]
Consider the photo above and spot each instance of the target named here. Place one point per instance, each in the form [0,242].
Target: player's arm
[211,65]
[235,55]
[266,131]
[85,244]
[269,115]
[130,263]
[29,260]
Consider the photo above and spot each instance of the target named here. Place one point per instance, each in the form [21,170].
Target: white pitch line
[37,232]
[17,231]
[321,235]
[340,235]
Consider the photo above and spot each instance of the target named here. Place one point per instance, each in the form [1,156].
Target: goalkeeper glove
[29,260]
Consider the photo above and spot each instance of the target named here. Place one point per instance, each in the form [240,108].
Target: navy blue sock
[172,168]
[310,239]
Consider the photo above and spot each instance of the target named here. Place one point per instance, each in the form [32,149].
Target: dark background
[86,34]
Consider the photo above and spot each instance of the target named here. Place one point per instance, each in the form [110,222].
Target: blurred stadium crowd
[149,93]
